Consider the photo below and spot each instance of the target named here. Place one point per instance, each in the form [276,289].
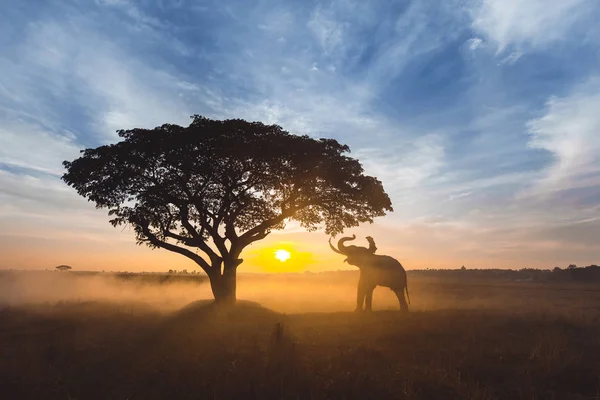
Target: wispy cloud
[512,58]
[129,8]
[474,43]
[327,30]
[533,23]
[28,145]
[44,208]
[569,130]
[406,165]
[114,88]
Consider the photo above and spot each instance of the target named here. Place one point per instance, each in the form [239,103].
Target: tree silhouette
[63,268]
[209,190]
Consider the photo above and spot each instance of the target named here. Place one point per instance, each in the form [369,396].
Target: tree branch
[183,239]
[261,231]
[230,232]
[189,254]
[259,236]
[213,231]
[200,243]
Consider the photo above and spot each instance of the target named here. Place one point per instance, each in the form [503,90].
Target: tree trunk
[224,286]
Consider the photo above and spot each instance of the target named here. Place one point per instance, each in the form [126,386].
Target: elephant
[375,270]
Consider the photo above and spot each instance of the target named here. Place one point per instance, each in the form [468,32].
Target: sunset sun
[282,255]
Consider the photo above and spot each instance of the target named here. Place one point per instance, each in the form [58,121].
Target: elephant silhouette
[375,270]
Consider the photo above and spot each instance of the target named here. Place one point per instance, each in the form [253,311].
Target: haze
[290,293]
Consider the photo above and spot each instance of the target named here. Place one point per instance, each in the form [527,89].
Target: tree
[209,190]
[572,266]
[63,268]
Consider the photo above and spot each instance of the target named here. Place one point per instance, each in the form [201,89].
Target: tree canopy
[218,186]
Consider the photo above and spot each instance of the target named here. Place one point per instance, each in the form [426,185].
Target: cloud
[512,58]
[46,208]
[28,145]
[142,19]
[532,23]
[474,43]
[407,165]
[328,31]
[117,90]
[569,131]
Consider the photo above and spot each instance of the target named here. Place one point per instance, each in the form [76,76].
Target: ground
[484,339]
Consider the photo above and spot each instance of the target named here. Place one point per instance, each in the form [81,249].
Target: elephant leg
[369,299]
[360,295]
[402,300]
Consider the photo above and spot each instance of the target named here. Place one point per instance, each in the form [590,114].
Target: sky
[480,117]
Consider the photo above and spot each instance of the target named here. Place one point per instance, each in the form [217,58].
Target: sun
[282,255]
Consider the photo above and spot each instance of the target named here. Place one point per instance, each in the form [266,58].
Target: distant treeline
[147,277]
[159,277]
[590,273]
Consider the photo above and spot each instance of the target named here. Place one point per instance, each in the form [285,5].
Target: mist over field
[19,288]
[298,293]
[167,293]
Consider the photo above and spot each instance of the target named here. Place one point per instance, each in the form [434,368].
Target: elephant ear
[372,247]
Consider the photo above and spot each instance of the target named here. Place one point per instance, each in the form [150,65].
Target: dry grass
[462,341]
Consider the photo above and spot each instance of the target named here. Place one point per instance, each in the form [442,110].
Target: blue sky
[480,117]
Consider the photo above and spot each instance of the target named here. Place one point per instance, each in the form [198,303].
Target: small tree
[63,268]
[209,190]
[572,266]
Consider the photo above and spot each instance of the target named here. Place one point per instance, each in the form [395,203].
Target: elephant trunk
[341,247]
[333,248]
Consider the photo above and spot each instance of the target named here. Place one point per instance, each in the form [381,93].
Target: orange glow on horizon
[282,257]
[116,250]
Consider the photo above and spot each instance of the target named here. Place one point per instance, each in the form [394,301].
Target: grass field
[64,336]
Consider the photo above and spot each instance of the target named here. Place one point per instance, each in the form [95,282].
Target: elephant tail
[407,296]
